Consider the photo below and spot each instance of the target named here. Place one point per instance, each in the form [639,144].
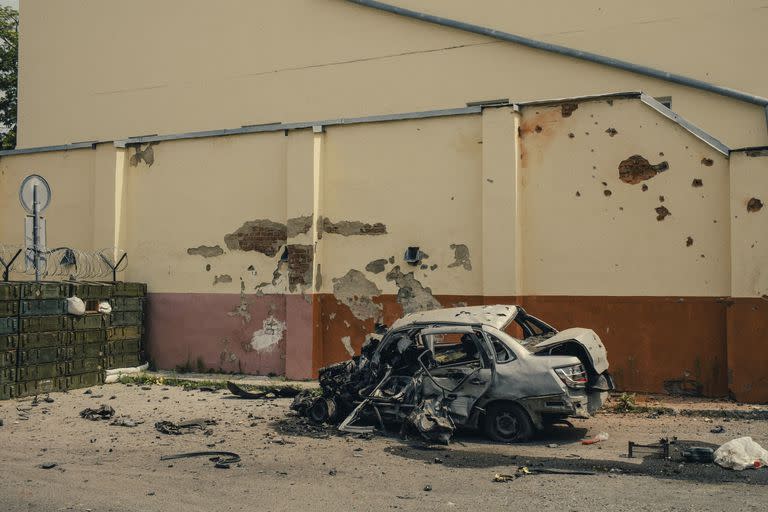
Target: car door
[461,370]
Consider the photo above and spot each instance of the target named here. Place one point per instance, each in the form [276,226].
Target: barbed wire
[64,262]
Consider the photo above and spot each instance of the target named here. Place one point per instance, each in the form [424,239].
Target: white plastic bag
[104,307]
[741,453]
[75,306]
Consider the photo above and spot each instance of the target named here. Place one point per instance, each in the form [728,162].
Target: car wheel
[508,423]
[323,410]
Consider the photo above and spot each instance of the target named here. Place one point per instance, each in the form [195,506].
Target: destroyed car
[435,371]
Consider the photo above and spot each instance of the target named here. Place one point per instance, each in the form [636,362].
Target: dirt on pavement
[290,464]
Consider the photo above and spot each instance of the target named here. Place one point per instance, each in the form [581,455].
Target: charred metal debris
[435,371]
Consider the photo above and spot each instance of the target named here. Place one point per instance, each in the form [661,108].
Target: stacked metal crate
[124,347]
[9,338]
[57,351]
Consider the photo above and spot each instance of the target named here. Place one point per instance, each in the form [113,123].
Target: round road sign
[26,193]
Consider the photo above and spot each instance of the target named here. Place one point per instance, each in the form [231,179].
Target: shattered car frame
[436,371]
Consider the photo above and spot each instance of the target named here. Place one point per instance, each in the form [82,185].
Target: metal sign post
[35,196]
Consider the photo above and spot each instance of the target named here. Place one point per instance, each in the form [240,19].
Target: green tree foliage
[9,66]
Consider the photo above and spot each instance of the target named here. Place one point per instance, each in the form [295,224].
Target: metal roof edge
[578,99]
[47,149]
[278,127]
[685,124]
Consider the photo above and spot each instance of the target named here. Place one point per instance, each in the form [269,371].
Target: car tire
[508,423]
[323,410]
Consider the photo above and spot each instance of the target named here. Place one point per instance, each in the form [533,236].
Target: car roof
[498,316]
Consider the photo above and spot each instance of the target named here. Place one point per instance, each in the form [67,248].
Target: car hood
[587,338]
[498,316]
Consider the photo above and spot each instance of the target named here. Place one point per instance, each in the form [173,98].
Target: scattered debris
[222,460]
[602,436]
[701,454]
[184,427]
[717,430]
[125,422]
[104,412]
[48,465]
[661,448]
[740,454]
[427,488]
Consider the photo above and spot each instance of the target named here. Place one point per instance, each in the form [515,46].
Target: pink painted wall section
[299,348]
[223,332]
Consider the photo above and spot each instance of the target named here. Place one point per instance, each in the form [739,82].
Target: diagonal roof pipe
[569,52]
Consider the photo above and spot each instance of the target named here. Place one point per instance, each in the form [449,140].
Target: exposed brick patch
[264,236]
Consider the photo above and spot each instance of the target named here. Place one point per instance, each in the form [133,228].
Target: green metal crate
[124,332]
[40,371]
[44,290]
[86,365]
[122,289]
[10,291]
[127,304]
[126,318]
[123,361]
[39,386]
[91,290]
[89,336]
[44,323]
[89,321]
[9,325]
[9,341]
[42,355]
[118,347]
[83,380]
[9,307]
[85,351]
[29,307]
[7,358]
[8,374]
[7,390]
[44,339]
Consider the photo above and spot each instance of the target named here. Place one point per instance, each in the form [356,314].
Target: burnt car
[436,371]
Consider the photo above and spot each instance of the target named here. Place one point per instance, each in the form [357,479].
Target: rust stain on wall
[262,235]
[206,251]
[635,169]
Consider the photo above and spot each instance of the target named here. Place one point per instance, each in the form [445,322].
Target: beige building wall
[72,217]
[586,231]
[123,69]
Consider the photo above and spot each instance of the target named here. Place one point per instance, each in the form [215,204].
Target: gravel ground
[290,465]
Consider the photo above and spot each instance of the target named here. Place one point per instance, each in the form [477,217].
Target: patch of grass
[626,403]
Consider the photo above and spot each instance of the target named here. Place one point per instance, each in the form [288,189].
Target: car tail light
[573,376]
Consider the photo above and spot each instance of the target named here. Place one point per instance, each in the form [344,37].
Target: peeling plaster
[411,294]
[298,226]
[356,291]
[566,109]
[376,266]
[347,342]
[206,251]
[223,278]
[267,338]
[262,235]
[147,155]
[635,169]
[351,227]
[241,309]
[300,259]
[460,257]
